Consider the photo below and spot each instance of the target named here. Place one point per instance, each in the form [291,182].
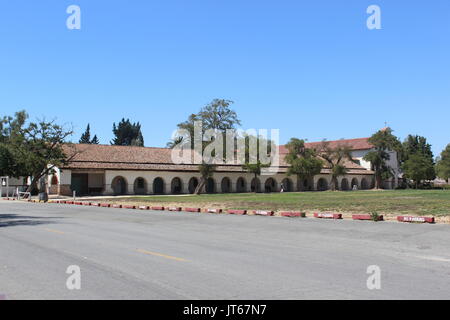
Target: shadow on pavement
[13,220]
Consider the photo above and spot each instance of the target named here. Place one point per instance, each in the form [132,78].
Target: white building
[120,170]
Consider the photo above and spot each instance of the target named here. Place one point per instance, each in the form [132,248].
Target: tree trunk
[33,182]
[333,183]
[378,181]
[200,186]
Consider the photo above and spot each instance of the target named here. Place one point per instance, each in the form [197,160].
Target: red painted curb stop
[327,215]
[213,210]
[95,204]
[157,208]
[415,219]
[365,217]
[174,208]
[263,212]
[293,214]
[105,205]
[127,206]
[241,212]
[192,209]
[116,206]
[144,208]
[86,203]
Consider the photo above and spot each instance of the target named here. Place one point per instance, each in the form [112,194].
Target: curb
[327,215]
[210,210]
[293,214]
[366,217]
[239,212]
[415,219]
[174,208]
[192,209]
[263,213]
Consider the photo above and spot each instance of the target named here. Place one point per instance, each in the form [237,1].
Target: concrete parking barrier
[86,203]
[105,205]
[127,206]
[69,202]
[263,212]
[118,206]
[157,208]
[415,219]
[174,208]
[327,215]
[293,214]
[240,212]
[94,204]
[192,209]
[78,203]
[144,207]
[366,217]
[211,210]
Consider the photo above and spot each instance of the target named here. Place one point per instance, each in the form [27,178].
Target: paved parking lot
[132,254]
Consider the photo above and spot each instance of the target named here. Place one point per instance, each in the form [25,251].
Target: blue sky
[310,68]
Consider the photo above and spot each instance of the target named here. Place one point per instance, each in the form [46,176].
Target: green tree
[127,134]
[335,158]
[218,116]
[415,144]
[303,162]
[383,141]
[86,137]
[95,140]
[418,168]
[32,149]
[443,164]
[418,145]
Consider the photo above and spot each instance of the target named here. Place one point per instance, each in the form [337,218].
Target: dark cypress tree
[127,134]
[86,136]
[95,140]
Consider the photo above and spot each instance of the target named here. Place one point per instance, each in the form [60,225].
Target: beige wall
[167,176]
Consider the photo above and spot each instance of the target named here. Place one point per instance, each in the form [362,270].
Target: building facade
[128,170]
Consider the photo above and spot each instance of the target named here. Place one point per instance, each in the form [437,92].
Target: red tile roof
[92,156]
[354,144]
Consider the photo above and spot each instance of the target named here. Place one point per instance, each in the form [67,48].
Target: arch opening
[255,185]
[355,184]
[364,184]
[241,185]
[193,183]
[158,186]
[287,185]
[119,185]
[210,186]
[176,186]
[226,185]
[344,184]
[140,186]
[322,184]
[270,185]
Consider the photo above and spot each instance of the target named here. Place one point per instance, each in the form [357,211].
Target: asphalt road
[132,254]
